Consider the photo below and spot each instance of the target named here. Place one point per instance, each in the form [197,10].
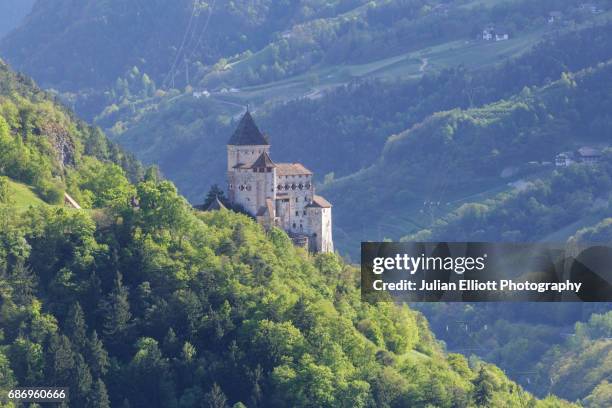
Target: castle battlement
[277,194]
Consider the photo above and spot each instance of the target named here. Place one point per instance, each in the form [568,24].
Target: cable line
[171,73]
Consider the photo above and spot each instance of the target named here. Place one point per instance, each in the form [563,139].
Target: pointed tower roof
[215,205]
[247,133]
[263,162]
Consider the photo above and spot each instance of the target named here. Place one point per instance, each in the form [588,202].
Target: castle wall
[291,202]
[251,189]
[320,220]
[244,154]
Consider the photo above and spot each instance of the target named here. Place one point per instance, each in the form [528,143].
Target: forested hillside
[415,127]
[43,145]
[476,146]
[579,368]
[144,302]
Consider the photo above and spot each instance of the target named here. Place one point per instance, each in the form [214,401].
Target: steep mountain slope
[145,302]
[93,42]
[476,146]
[353,120]
[43,145]
[12,13]
[579,368]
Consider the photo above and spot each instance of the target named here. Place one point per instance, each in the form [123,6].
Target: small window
[297,199]
[294,225]
[297,213]
[304,212]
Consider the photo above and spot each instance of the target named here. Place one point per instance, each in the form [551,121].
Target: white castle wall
[291,203]
[251,189]
[320,221]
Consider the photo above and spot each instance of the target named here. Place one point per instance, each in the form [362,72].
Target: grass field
[22,196]
[411,65]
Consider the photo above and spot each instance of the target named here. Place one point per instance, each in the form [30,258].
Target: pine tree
[214,193]
[116,311]
[215,398]
[23,282]
[61,359]
[76,326]
[97,355]
[81,380]
[98,397]
[483,388]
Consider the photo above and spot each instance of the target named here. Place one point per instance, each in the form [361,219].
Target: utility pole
[187,70]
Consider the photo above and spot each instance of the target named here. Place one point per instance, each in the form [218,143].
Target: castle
[277,194]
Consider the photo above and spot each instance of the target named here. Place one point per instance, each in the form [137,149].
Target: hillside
[155,304]
[353,120]
[579,368]
[44,146]
[316,73]
[12,13]
[476,145]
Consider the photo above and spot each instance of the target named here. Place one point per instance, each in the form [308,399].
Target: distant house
[488,33]
[586,155]
[564,159]
[201,94]
[589,155]
[554,17]
[502,37]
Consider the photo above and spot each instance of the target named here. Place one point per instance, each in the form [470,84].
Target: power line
[171,73]
[201,36]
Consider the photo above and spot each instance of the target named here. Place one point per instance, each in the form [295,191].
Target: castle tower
[320,223]
[246,144]
[244,147]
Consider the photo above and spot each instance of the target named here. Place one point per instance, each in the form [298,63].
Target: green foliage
[579,367]
[4,190]
[191,320]
[44,146]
